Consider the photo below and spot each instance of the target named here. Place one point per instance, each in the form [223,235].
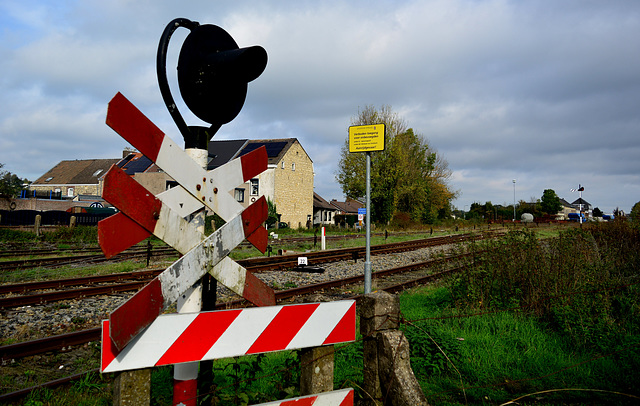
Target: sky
[543,92]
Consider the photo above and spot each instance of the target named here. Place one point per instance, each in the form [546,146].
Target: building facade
[287,182]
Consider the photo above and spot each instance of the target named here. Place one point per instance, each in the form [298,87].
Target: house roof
[320,203]
[350,206]
[76,172]
[89,171]
[223,151]
[565,203]
[135,162]
[581,201]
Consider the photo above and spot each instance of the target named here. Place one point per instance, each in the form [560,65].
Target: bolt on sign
[366,138]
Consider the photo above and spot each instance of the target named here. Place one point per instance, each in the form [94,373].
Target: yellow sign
[365,138]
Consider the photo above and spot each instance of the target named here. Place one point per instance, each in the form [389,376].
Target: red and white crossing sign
[143,213]
[186,337]
[343,397]
[113,241]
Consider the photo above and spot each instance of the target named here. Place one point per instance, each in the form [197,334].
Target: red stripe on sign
[348,400]
[300,402]
[254,215]
[136,314]
[257,292]
[199,337]
[283,328]
[254,163]
[125,119]
[345,330]
[130,197]
[109,351]
[259,239]
[117,233]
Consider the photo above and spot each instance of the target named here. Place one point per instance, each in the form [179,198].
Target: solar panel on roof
[136,166]
[273,148]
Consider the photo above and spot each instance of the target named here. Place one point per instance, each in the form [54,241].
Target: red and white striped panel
[186,337]
[211,188]
[343,397]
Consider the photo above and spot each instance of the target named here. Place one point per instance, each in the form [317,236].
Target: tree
[10,184]
[635,214]
[597,212]
[550,202]
[272,213]
[409,176]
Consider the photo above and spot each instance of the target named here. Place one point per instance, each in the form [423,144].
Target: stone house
[287,182]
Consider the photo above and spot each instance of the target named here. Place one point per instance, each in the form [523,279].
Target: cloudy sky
[544,92]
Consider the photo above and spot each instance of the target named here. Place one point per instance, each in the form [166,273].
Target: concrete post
[388,378]
[317,370]
[37,225]
[72,221]
[132,388]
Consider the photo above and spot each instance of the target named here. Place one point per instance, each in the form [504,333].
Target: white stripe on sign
[328,315]
[343,397]
[177,338]
[237,339]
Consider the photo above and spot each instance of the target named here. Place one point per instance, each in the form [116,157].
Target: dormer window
[48,179]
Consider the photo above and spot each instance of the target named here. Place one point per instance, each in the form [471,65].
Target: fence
[50,218]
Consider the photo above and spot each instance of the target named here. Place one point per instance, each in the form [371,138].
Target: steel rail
[20,350]
[84,280]
[41,298]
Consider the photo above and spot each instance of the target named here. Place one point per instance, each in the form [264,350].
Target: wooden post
[72,221]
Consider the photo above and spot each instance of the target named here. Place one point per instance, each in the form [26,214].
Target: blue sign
[362,211]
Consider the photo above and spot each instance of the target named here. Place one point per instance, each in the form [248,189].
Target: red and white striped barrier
[186,337]
[343,397]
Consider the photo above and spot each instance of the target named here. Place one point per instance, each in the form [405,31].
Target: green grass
[494,358]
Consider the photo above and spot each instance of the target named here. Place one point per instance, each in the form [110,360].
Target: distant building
[323,211]
[287,182]
[349,206]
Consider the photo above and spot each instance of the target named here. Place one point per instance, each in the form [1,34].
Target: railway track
[58,261]
[58,342]
[132,281]
[64,342]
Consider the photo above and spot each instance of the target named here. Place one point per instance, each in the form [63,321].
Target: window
[293,166]
[70,192]
[282,164]
[254,187]
[239,195]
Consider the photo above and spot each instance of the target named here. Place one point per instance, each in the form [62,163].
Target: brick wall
[293,183]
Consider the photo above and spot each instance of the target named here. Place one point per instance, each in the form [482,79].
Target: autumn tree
[408,176]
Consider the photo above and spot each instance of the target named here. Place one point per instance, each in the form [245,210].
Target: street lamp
[514,200]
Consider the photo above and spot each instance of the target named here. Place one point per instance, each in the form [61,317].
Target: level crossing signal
[213,73]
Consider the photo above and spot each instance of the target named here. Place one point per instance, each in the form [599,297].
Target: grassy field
[543,317]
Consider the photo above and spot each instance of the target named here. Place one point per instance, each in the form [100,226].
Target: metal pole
[514,200]
[367,262]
